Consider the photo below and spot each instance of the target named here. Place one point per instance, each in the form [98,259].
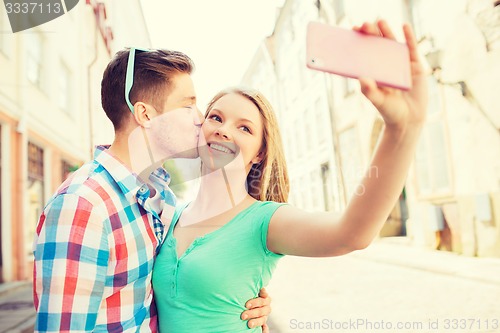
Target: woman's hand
[397,107]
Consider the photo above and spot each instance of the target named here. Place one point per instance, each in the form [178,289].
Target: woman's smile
[227,148]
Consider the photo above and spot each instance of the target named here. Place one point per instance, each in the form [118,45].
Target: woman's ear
[257,159]
[141,115]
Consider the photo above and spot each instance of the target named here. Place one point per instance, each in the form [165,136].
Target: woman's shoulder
[266,208]
[275,204]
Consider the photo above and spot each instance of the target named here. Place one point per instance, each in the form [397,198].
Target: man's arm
[71,258]
[259,309]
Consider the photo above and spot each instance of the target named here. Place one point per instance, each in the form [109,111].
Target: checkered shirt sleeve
[71,258]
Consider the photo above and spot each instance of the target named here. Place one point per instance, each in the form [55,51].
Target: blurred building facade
[50,111]
[452,199]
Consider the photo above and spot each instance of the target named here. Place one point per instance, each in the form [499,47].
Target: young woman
[223,247]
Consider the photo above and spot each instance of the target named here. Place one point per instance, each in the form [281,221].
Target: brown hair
[267,180]
[153,72]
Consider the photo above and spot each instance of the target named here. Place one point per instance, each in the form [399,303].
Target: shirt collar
[127,180]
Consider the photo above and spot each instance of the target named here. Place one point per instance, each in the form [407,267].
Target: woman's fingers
[370,28]
[370,89]
[378,28]
[411,41]
[385,29]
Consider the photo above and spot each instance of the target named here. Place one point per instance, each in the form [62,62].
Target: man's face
[173,131]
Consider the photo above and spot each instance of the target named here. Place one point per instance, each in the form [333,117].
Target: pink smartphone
[353,54]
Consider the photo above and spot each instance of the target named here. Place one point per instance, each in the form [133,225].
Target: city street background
[435,267]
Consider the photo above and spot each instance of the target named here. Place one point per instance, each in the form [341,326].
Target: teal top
[206,289]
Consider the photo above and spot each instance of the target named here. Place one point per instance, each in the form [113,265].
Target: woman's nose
[221,132]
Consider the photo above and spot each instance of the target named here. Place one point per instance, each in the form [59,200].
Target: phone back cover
[353,54]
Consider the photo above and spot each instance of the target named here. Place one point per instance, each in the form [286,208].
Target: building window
[486,15]
[432,161]
[64,94]
[416,18]
[35,162]
[307,191]
[299,139]
[309,131]
[35,192]
[291,147]
[34,59]
[339,8]
[66,169]
[315,190]
[322,122]
[326,180]
[350,156]
[4,32]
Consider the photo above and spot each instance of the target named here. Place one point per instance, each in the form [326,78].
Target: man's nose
[197,116]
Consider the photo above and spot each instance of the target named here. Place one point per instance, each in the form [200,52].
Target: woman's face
[232,131]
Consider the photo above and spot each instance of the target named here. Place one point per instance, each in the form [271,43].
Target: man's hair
[153,73]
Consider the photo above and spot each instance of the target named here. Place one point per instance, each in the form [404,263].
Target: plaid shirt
[95,246]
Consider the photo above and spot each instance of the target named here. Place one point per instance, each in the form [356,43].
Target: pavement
[17,314]
[400,251]
[16,299]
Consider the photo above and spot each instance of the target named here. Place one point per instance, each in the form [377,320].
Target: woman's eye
[246,129]
[215,117]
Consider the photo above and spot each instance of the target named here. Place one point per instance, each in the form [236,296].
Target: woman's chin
[227,163]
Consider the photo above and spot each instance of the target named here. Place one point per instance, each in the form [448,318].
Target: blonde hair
[267,180]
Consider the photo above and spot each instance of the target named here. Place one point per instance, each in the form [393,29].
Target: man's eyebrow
[190,98]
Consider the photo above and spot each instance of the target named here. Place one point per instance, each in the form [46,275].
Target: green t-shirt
[206,289]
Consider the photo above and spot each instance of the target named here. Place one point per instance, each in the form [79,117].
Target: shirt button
[143,189]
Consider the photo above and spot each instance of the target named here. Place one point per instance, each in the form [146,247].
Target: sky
[221,36]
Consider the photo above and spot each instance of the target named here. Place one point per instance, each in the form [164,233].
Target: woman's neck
[220,191]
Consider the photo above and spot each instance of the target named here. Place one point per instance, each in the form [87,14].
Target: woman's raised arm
[296,232]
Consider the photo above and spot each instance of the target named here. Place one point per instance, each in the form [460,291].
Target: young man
[98,236]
